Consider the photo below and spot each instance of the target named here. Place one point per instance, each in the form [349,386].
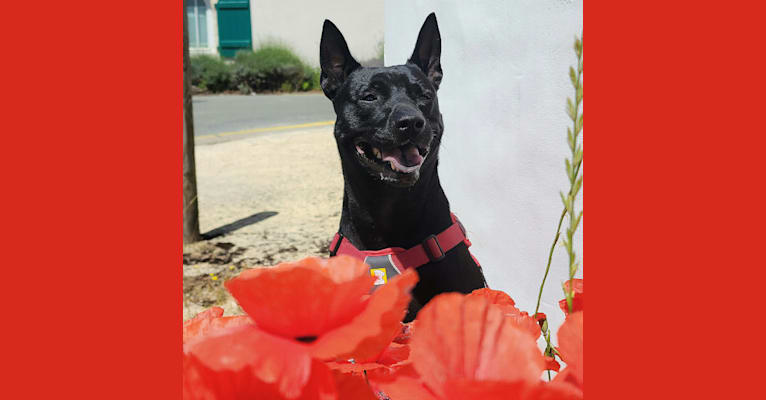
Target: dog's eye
[369,97]
[428,96]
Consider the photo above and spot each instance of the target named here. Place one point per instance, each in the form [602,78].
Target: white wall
[503,100]
[298,23]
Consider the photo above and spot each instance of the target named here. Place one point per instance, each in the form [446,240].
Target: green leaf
[569,169]
[578,156]
[577,185]
[578,94]
[577,220]
[573,76]
[579,122]
[564,200]
[570,139]
[545,326]
[578,47]
[571,109]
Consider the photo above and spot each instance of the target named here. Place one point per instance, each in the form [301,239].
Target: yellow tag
[379,274]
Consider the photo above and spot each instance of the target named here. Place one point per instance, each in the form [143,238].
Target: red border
[675,144]
[92,222]
[91,206]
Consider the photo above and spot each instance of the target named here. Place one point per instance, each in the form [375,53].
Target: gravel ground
[276,196]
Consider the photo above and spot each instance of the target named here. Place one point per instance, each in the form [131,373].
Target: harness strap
[432,249]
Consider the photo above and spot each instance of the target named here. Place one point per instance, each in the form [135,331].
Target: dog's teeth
[391,163]
[376,152]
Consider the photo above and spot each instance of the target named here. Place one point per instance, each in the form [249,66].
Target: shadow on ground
[241,223]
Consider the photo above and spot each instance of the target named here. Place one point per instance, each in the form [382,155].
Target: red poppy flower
[353,386]
[245,363]
[497,390]
[498,298]
[463,345]
[404,384]
[393,357]
[506,303]
[404,336]
[551,364]
[209,321]
[577,300]
[351,379]
[324,303]
[571,349]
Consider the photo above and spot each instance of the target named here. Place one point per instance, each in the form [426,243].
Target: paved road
[232,113]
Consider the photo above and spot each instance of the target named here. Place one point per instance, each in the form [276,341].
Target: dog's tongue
[404,159]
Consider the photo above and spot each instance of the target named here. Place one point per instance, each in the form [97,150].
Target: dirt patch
[294,177]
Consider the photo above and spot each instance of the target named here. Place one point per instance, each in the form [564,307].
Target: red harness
[433,248]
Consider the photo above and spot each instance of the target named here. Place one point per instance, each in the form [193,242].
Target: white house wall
[298,24]
[503,100]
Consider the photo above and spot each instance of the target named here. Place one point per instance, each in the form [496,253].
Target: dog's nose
[412,124]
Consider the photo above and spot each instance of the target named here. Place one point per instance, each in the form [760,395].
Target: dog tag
[382,268]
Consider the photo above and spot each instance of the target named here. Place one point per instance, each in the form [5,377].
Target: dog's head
[388,120]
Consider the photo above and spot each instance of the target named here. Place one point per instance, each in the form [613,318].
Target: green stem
[550,257]
[553,246]
[571,197]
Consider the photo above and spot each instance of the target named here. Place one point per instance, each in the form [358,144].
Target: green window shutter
[234,32]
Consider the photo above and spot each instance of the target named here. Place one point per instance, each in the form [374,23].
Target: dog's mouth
[392,163]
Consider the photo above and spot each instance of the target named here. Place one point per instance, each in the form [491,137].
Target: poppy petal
[526,323]
[576,284]
[209,321]
[391,358]
[498,390]
[553,391]
[551,364]
[352,386]
[577,304]
[394,354]
[374,327]
[506,303]
[245,360]
[402,384]
[465,337]
[346,367]
[497,297]
[304,299]
[577,299]
[460,389]
[405,335]
[570,345]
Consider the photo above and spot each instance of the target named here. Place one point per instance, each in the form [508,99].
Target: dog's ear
[428,50]
[335,59]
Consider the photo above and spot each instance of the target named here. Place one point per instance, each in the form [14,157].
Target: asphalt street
[230,117]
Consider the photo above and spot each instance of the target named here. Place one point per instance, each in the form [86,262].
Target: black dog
[388,131]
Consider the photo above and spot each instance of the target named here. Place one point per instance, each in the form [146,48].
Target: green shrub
[210,73]
[271,68]
[310,79]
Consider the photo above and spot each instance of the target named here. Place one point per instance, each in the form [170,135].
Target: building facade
[221,27]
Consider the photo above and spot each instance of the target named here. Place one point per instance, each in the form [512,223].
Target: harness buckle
[334,251]
[431,245]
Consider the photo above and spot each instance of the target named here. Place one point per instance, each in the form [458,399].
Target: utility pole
[190,209]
